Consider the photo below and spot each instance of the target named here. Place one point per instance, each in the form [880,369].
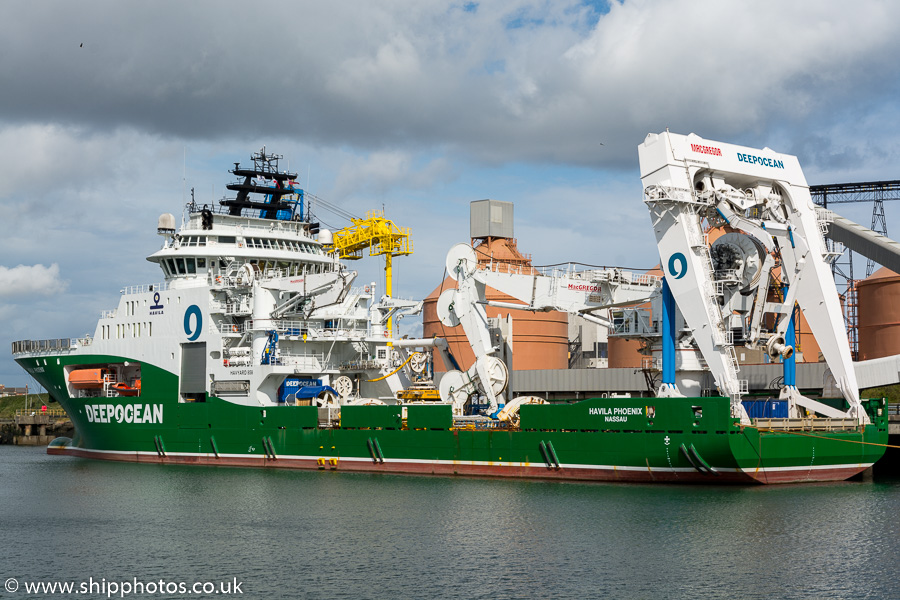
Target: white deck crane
[764,198]
[566,290]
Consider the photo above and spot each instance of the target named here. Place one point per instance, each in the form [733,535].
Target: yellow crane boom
[381,236]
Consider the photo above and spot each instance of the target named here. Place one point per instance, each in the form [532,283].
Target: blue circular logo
[674,270]
[193,332]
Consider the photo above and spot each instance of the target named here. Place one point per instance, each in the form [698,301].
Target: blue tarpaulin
[313,391]
[291,388]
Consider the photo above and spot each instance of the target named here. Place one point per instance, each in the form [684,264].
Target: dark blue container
[766,409]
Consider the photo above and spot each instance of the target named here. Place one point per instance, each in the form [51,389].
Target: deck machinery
[712,296]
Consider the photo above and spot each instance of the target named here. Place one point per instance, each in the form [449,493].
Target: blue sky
[111,110]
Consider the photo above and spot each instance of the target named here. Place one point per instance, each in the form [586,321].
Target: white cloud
[378,172]
[507,81]
[26,280]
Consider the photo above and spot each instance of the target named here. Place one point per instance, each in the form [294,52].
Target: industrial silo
[878,312]
[540,339]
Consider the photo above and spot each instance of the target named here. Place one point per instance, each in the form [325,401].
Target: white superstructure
[252,309]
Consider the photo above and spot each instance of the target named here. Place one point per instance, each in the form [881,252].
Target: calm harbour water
[287,534]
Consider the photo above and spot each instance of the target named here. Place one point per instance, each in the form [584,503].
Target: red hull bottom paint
[601,474]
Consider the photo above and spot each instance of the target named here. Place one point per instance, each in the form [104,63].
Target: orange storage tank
[878,300]
[540,339]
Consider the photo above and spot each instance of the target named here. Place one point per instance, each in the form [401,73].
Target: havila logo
[124,413]
[157,307]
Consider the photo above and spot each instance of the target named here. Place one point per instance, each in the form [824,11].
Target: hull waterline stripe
[473,463]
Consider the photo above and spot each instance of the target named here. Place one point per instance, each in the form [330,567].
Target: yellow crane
[380,236]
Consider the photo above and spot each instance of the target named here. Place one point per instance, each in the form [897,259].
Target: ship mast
[265,179]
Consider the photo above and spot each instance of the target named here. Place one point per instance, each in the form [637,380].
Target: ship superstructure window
[179,262]
[276,244]
[193,240]
[191,266]
[227,239]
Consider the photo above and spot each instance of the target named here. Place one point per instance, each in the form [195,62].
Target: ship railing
[46,346]
[148,287]
[108,314]
[214,208]
[300,328]
[361,365]
[217,209]
[510,268]
[217,328]
[224,281]
[650,363]
[632,322]
[575,271]
[473,423]
[310,361]
[360,290]
[231,308]
[611,276]
[33,412]
[810,424]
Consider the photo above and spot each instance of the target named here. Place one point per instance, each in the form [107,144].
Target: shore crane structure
[848,237]
[381,237]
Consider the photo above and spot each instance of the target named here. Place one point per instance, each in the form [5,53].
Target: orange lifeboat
[86,379]
[124,389]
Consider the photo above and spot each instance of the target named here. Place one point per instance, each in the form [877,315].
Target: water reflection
[334,535]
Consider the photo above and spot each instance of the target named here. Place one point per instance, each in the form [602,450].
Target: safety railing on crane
[381,236]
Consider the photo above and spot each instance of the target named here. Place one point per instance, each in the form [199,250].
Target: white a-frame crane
[763,197]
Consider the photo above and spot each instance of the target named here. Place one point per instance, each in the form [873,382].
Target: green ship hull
[601,439]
